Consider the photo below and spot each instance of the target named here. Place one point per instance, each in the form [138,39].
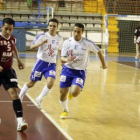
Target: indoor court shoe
[70,96]
[64,115]
[39,103]
[22,127]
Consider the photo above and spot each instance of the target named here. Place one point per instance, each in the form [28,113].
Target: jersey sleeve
[135,33]
[64,48]
[38,39]
[138,40]
[92,46]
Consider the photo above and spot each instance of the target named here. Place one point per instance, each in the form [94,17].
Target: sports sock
[44,92]
[17,108]
[64,105]
[23,91]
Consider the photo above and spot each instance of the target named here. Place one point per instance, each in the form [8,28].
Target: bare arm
[20,64]
[38,44]
[65,59]
[102,60]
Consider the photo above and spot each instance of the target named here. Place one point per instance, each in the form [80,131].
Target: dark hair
[54,20]
[80,25]
[9,21]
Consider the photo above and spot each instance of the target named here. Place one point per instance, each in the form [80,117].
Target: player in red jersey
[8,76]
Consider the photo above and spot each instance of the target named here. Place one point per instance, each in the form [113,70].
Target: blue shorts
[43,68]
[72,77]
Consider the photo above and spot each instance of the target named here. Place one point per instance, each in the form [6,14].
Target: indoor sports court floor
[107,109]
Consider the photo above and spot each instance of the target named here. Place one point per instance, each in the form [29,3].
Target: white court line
[50,118]
[12,101]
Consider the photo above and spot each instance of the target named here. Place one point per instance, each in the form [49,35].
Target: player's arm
[36,45]
[135,35]
[20,64]
[65,59]
[1,68]
[64,54]
[101,57]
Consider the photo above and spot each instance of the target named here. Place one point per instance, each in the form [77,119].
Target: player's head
[7,27]
[53,26]
[78,31]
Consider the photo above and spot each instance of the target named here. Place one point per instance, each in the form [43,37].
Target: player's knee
[63,94]
[50,85]
[30,84]
[13,95]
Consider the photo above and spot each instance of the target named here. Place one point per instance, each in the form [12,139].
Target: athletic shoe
[39,103]
[70,96]
[64,114]
[22,127]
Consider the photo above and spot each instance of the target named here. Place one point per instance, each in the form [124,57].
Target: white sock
[23,91]
[19,120]
[64,105]
[44,92]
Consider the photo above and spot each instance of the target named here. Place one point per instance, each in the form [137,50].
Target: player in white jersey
[137,48]
[75,57]
[48,45]
[137,39]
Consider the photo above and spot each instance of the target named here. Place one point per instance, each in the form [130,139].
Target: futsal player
[48,45]
[75,57]
[8,77]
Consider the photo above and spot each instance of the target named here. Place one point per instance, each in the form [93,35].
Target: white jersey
[48,51]
[80,50]
[138,40]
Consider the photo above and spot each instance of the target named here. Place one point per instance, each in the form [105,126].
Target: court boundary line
[50,118]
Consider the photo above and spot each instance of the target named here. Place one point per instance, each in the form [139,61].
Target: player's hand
[20,65]
[71,58]
[43,42]
[1,68]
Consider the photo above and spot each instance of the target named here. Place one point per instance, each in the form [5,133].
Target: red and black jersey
[6,51]
[137,32]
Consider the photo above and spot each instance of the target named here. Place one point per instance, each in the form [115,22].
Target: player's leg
[64,102]
[74,91]
[77,84]
[17,106]
[45,91]
[50,75]
[36,75]
[65,84]
[25,89]
[10,84]
[137,51]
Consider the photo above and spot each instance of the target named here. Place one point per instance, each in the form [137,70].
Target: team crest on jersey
[76,47]
[53,41]
[52,72]
[79,81]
